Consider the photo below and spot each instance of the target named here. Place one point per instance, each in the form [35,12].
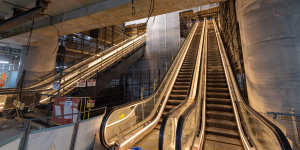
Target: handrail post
[75,131]
[24,141]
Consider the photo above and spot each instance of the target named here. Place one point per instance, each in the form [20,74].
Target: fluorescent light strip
[3,62]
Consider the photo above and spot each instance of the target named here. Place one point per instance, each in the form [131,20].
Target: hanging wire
[150,10]
[30,36]
[132,7]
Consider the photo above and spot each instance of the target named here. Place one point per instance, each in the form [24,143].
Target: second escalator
[180,90]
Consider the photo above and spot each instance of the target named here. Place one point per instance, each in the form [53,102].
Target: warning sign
[81,83]
[65,110]
[91,82]
[56,85]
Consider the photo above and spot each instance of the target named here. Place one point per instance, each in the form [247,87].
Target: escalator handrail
[224,59]
[82,65]
[184,107]
[283,141]
[14,90]
[85,61]
[198,100]
[108,60]
[173,70]
[67,85]
[70,69]
[170,70]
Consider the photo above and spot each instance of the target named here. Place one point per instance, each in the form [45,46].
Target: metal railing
[190,122]
[83,70]
[168,134]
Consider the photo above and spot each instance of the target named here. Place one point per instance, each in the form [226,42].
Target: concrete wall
[163,43]
[40,59]
[270,34]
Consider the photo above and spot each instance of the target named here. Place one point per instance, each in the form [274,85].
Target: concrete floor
[150,141]
[9,129]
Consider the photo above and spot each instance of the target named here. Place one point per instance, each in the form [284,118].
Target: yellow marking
[122,116]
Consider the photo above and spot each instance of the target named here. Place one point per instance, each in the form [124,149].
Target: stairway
[221,127]
[183,81]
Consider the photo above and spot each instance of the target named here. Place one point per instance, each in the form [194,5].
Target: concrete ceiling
[71,16]
[6,6]
[55,7]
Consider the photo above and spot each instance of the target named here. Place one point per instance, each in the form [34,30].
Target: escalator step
[217,85]
[188,67]
[224,124]
[184,79]
[217,67]
[173,101]
[177,97]
[182,83]
[180,87]
[168,107]
[223,132]
[217,77]
[216,81]
[218,115]
[218,95]
[185,76]
[223,139]
[218,101]
[182,92]
[215,73]
[185,73]
[213,89]
[219,107]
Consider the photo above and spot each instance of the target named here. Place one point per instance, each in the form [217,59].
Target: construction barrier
[55,138]
[86,133]
[58,138]
[11,144]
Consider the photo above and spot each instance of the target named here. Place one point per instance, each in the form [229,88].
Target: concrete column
[163,42]
[270,34]
[41,57]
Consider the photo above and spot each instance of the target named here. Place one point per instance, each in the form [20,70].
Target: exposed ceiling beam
[105,13]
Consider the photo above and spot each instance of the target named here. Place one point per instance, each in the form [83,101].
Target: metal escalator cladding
[221,128]
[179,92]
[182,85]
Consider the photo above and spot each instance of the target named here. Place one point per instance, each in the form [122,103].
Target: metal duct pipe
[25,17]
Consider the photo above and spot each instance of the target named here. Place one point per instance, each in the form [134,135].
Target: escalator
[179,93]
[185,112]
[68,79]
[181,88]
[140,122]
[221,127]
[220,118]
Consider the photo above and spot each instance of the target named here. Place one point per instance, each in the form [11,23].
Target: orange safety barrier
[65,110]
[2,80]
